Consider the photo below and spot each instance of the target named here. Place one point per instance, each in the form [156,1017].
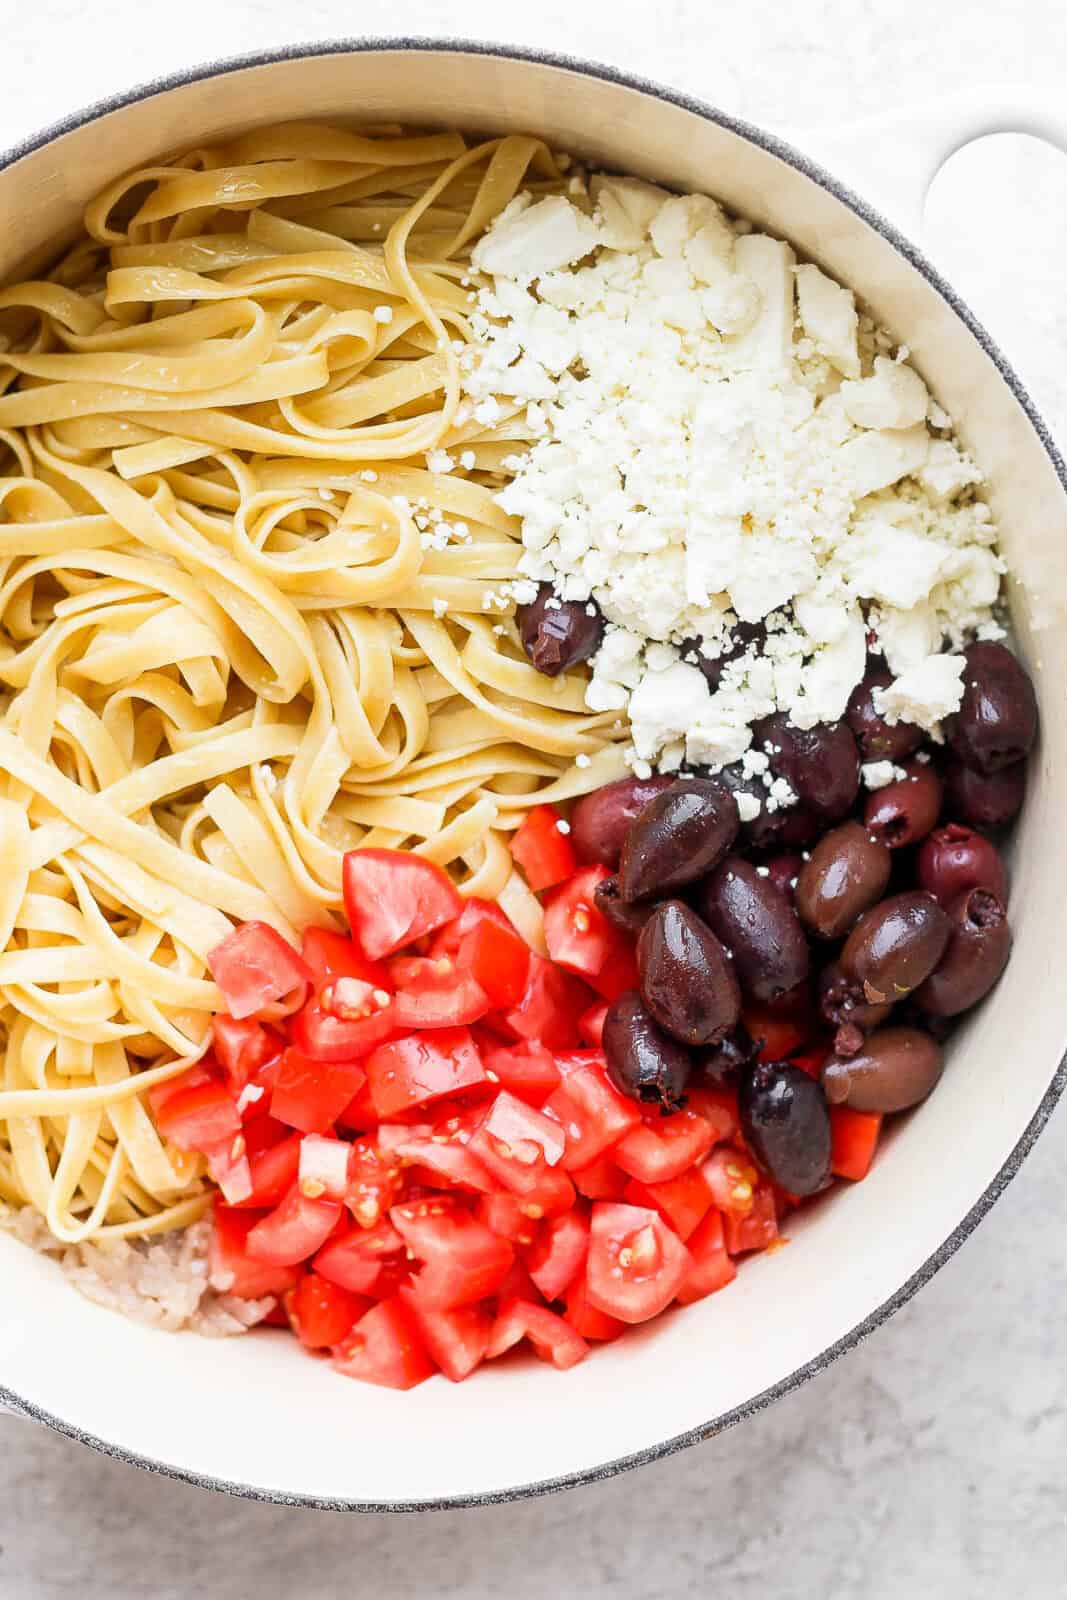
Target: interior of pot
[254,1411]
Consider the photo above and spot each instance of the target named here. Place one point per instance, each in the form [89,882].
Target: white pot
[254,1414]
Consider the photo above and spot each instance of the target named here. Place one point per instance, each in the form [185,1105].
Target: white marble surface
[927,1463]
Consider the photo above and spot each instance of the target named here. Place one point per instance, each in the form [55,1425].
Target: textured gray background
[927,1463]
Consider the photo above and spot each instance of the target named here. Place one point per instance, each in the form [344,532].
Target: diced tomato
[423,1067]
[733,1180]
[778,1036]
[514,1140]
[251,1279]
[542,850]
[558,1254]
[497,959]
[355,1258]
[447,940]
[317,1032]
[199,1118]
[273,1171]
[592,1114]
[375,1180]
[243,1048]
[601,1180]
[310,1094]
[505,1216]
[586,1319]
[551,1004]
[435,993]
[716,1106]
[462,1260]
[756,1229]
[658,1150]
[516,1284]
[446,1159]
[323,1166]
[591,1025]
[253,966]
[393,897]
[712,1267]
[276,1318]
[683,1200]
[618,974]
[854,1138]
[161,1094]
[553,1339]
[294,1230]
[456,1340]
[228,1165]
[334,955]
[636,1262]
[526,1070]
[579,936]
[321,1312]
[384,1347]
[811,1061]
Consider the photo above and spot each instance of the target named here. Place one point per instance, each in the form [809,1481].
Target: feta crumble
[715,441]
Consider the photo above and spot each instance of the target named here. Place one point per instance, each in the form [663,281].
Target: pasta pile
[243,626]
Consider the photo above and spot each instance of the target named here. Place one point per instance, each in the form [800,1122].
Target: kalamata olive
[896,944]
[997,720]
[619,912]
[741,638]
[954,859]
[758,926]
[720,1063]
[846,873]
[679,836]
[643,1062]
[557,634]
[786,1124]
[601,820]
[843,1003]
[904,811]
[896,1068]
[977,954]
[821,765]
[984,799]
[784,872]
[878,739]
[688,983]
[784,828]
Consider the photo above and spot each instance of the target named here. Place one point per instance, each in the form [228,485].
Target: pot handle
[892,159]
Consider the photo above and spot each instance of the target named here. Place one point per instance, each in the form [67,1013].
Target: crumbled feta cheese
[563,826]
[695,462]
[926,693]
[440,607]
[539,238]
[748,807]
[581,760]
[468,460]
[383,314]
[876,774]
[439,461]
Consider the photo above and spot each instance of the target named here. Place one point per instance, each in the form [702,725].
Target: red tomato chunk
[425,1162]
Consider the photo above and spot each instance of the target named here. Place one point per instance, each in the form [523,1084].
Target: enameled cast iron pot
[254,1415]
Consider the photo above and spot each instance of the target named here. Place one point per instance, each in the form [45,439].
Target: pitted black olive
[821,765]
[984,799]
[630,917]
[557,634]
[878,739]
[997,721]
[678,837]
[601,820]
[904,811]
[846,873]
[895,1069]
[954,859]
[896,944]
[784,828]
[688,982]
[758,926]
[977,954]
[786,1124]
[843,1003]
[643,1062]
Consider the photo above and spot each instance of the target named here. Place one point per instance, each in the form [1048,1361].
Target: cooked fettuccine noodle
[244,627]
